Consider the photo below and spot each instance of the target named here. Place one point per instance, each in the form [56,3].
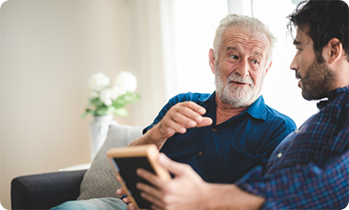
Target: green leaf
[98,108]
[96,102]
[122,112]
[131,97]
[83,115]
[87,112]
[120,101]
[101,111]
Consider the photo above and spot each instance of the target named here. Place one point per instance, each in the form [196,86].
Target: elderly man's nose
[243,68]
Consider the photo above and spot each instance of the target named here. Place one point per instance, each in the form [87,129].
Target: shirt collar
[256,110]
[204,99]
[332,95]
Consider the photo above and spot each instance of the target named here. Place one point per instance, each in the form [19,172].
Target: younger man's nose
[294,65]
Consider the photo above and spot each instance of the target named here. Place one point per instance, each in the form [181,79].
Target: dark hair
[322,21]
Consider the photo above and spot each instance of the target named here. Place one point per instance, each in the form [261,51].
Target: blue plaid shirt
[310,168]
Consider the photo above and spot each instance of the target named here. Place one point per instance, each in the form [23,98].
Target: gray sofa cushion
[100,180]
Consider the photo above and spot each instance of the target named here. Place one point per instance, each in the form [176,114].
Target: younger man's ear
[333,50]
[211,60]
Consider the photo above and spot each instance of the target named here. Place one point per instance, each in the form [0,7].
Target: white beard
[237,97]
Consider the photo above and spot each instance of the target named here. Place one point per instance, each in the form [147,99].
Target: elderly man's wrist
[155,137]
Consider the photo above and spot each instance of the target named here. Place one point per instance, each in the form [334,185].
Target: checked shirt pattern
[310,168]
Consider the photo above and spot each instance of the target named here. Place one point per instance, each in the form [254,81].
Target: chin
[313,96]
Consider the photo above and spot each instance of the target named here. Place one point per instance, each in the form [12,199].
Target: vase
[99,130]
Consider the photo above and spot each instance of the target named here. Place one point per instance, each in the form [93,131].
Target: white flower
[94,94]
[117,91]
[106,96]
[126,81]
[98,81]
[103,95]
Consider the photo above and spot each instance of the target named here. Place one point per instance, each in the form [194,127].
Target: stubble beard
[316,84]
[237,97]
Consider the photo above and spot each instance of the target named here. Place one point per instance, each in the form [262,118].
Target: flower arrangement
[111,100]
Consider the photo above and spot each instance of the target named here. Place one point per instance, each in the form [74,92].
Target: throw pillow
[100,180]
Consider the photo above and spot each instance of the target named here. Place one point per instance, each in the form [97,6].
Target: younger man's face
[315,78]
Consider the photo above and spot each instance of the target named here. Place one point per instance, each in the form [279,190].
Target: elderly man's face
[241,66]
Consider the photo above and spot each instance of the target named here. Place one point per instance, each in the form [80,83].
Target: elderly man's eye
[255,62]
[234,57]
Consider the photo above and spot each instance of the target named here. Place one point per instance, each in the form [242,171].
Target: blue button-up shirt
[223,153]
[310,168]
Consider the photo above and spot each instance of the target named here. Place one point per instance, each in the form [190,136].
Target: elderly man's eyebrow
[232,48]
[258,54]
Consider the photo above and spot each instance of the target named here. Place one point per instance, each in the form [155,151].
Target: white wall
[49,49]
[280,90]
[188,29]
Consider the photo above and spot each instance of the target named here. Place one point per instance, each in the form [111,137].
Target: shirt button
[214,130]
[199,154]
[280,155]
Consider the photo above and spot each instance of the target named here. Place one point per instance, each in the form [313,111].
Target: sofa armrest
[43,191]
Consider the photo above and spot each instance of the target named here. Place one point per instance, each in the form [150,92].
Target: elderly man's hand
[122,192]
[186,191]
[177,119]
[181,117]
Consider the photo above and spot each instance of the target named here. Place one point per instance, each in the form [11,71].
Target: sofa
[44,191]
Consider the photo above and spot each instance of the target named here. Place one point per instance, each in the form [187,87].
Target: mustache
[233,77]
[298,76]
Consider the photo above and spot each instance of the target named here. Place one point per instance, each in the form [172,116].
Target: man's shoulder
[271,117]
[275,116]
[190,96]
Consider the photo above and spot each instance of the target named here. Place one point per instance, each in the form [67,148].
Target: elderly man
[309,169]
[225,134]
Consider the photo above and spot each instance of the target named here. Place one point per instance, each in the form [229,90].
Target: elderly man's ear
[268,67]
[212,60]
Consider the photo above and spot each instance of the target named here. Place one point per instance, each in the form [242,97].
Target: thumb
[170,165]
[131,207]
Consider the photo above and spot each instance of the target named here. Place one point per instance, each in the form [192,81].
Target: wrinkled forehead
[245,38]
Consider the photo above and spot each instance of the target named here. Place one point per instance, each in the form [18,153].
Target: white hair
[250,24]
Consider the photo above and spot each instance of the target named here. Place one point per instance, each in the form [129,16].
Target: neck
[225,111]
[343,75]
[340,69]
